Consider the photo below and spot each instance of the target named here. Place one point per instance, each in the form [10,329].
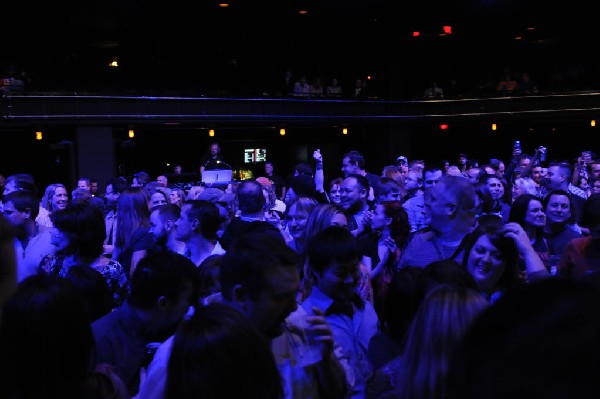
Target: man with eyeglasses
[451,206]
[413,184]
[415,206]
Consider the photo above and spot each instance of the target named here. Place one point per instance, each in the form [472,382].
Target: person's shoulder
[416,200]
[43,230]
[579,243]
[238,227]
[105,325]
[424,235]
[372,176]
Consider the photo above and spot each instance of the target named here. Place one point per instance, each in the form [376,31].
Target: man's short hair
[119,184]
[387,185]
[355,157]
[250,197]
[23,200]
[361,180]
[304,168]
[161,273]
[22,181]
[207,214]
[459,190]
[167,212]
[251,259]
[333,244]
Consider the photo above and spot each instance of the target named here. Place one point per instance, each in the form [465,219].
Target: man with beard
[163,227]
[161,292]
[197,227]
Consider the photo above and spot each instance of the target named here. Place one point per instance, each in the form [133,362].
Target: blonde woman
[55,197]
[177,196]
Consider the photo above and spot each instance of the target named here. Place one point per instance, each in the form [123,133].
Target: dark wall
[152,149]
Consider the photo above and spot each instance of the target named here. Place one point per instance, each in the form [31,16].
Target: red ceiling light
[443,126]
[416,34]
[447,29]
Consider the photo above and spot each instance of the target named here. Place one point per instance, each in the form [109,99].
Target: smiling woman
[492,257]
[55,197]
[527,210]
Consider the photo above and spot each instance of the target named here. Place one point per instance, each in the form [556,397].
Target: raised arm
[319,173]
[534,267]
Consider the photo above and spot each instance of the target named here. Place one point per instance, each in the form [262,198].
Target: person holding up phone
[582,166]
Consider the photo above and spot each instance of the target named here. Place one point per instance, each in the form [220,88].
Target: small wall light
[38,135]
[211,132]
[282,131]
[131,133]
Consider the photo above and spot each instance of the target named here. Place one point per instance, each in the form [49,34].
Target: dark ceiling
[244,49]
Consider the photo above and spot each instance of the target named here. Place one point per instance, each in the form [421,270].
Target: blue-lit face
[486,264]
[335,194]
[535,216]
[296,221]
[348,168]
[339,281]
[352,194]
[558,209]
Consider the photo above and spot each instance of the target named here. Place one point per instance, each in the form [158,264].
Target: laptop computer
[217,176]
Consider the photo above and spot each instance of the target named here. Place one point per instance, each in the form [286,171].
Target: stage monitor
[217,176]
[254,155]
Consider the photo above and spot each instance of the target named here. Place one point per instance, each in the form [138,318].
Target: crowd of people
[449,280]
